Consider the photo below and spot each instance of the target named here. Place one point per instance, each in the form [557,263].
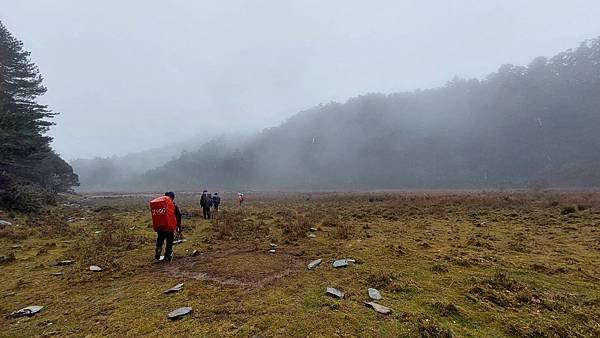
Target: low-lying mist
[522,126]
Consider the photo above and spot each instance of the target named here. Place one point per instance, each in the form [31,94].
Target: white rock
[314,264]
[95,268]
[65,262]
[334,292]
[28,311]
[340,263]
[374,294]
[379,308]
[180,312]
[174,289]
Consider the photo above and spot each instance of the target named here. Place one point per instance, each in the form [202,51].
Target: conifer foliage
[31,173]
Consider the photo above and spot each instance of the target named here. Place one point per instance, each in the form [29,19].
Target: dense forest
[31,173]
[521,126]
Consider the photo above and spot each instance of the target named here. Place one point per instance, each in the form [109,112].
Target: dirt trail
[202,267]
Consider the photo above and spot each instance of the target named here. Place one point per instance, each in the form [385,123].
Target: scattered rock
[16,246]
[97,232]
[4,223]
[314,264]
[28,311]
[351,260]
[57,274]
[384,310]
[272,251]
[273,246]
[312,235]
[194,253]
[179,241]
[95,268]
[65,262]
[340,263]
[374,294]
[174,289]
[313,229]
[334,292]
[182,311]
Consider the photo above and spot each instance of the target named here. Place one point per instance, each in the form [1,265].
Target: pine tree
[30,172]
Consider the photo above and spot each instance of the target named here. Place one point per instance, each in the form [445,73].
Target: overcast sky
[132,75]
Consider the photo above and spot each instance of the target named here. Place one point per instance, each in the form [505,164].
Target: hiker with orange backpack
[166,219]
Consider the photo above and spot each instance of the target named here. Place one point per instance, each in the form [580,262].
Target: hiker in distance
[206,203]
[166,219]
[216,200]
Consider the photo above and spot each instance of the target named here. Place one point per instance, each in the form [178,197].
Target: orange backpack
[163,214]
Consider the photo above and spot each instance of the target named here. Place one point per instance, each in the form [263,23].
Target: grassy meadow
[448,264]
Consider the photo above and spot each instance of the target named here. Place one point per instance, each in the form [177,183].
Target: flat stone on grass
[194,253]
[65,262]
[26,312]
[334,292]
[340,263]
[174,289]
[95,268]
[374,294]
[384,310]
[180,312]
[312,265]
[4,223]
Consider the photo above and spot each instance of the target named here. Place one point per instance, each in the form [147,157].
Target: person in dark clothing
[168,235]
[216,201]
[205,203]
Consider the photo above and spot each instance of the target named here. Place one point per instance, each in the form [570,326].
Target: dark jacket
[216,200]
[178,216]
[205,201]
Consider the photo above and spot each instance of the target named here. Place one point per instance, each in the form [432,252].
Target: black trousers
[161,236]
[206,212]
[216,206]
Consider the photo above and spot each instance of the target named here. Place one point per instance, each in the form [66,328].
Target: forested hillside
[31,173]
[533,125]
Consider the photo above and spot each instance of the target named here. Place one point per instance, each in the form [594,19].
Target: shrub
[342,232]
[105,248]
[430,329]
[7,259]
[446,309]
[567,210]
[297,229]
[224,224]
[439,268]
[388,281]
[24,197]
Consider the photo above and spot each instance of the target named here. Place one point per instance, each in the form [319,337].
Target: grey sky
[132,75]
